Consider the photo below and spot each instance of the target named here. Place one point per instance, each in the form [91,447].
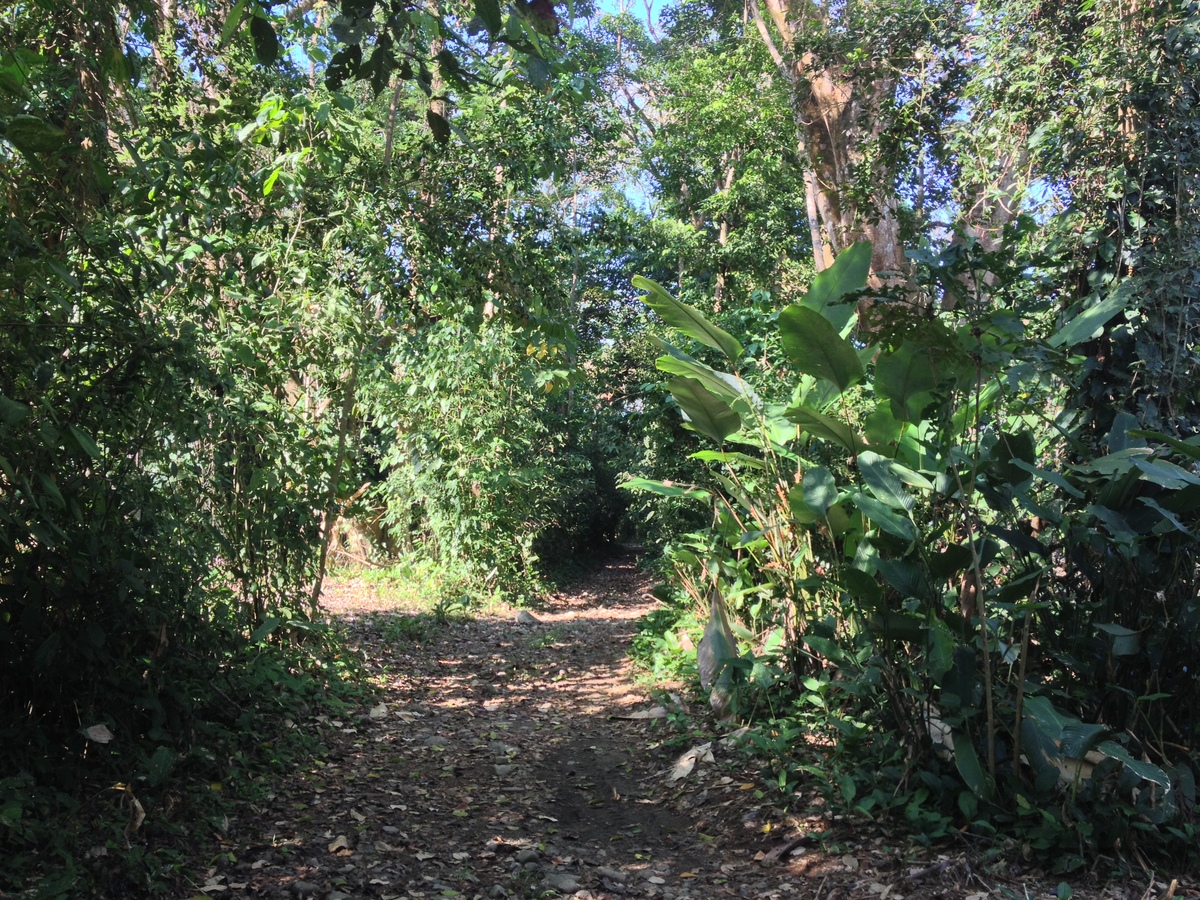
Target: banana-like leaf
[687,319]
[723,384]
[662,489]
[905,377]
[1145,770]
[826,427]
[706,412]
[817,349]
[847,274]
[883,482]
[802,513]
[1088,323]
[884,516]
[820,490]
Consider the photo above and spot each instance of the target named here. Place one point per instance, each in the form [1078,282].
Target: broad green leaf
[729,456]
[12,412]
[664,489]
[1144,770]
[825,427]
[940,652]
[1188,448]
[1046,475]
[86,444]
[265,629]
[723,384]
[817,349]
[881,428]
[32,135]
[820,491]
[236,14]
[884,516]
[687,319]
[801,511]
[1165,474]
[966,760]
[1167,515]
[905,377]
[707,413]
[489,12]
[1126,641]
[1088,323]
[883,482]
[847,274]
[266,42]
[1079,737]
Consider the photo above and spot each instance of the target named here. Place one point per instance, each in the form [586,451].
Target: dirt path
[498,765]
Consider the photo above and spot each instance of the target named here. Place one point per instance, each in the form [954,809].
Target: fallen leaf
[341,842]
[687,762]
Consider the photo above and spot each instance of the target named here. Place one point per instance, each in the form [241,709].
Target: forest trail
[500,762]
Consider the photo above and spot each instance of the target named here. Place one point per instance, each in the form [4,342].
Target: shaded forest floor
[504,759]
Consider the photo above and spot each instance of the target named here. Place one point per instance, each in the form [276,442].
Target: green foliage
[925,582]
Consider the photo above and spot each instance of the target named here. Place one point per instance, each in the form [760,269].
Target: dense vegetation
[921,278]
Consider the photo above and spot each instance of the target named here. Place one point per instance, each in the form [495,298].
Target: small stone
[561,882]
[498,892]
[505,769]
[612,874]
[304,889]
[527,855]
[435,741]
[337,895]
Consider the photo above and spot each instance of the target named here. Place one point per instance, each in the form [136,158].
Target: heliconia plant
[872,544]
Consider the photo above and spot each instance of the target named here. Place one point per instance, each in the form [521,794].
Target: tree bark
[837,111]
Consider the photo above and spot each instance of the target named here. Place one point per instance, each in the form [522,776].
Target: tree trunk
[837,112]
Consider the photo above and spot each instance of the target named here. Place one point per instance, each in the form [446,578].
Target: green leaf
[264,630]
[825,427]
[1088,323]
[966,760]
[1126,641]
[86,444]
[847,274]
[32,135]
[884,516]
[883,482]
[489,12]
[1144,770]
[665,489]
[12,412]
[1187,448]
[801,511]
[687,319]
[233,21]
[723,384]
[724,456]
[266,42]
[820,491]
[811,342]
[707,413]
[439,126]
[905,377]
[1053,477]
